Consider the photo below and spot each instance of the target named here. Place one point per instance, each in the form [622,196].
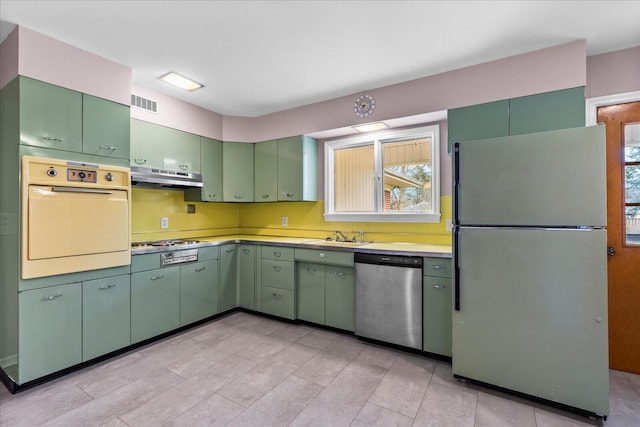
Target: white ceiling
[259,57]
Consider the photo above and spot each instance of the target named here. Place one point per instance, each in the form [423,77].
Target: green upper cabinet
[266,171]
[543,112]
[105,127]
[237,172]
[561,109]
[50,116]
[146,145]
[181,151]
[211,170]
[297,168]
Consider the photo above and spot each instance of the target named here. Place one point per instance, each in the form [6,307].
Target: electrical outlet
[191,208]
[164,222]
[449,225]
[285,221]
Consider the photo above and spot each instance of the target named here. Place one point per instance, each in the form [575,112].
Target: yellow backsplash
[305,220]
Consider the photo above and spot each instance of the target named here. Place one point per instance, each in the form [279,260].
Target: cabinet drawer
[278,302]
[439,267]
[325,257]
[277,253]
[278,274]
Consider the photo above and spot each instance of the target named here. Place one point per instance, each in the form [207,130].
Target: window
[632,183]
[390,176]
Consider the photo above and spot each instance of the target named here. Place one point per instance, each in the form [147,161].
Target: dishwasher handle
[390,260]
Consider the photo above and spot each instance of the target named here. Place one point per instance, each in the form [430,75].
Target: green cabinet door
[105,127]
[297,168]
[543,112]
[436,306]
[198,291]
[340,298]
[247,276]
[146,145]
[50,116]
[278,302]
[228,285]
[266,171]
[211,170]
[237,172]
[155,302]
[50,324]
[311,292]
[490,120]
[106,315]
[181,151]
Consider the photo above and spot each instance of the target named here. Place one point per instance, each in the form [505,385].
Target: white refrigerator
[530,267]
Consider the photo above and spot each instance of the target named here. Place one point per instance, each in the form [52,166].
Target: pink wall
[9,58]
[544,70]
[178,114]
[614,72]
[52,61]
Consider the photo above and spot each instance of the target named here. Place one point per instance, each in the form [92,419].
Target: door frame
[592,104]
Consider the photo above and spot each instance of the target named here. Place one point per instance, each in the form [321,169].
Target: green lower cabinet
[50,323]
[278,274]
[278,302]
[311,292]
[155,302]
[106,315]
[247,276]
[198,291]
[436,307]
[227,288]
[340,294]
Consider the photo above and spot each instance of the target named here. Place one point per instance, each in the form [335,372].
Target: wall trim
[592,104]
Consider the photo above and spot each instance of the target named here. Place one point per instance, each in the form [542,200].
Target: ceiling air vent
[144,103]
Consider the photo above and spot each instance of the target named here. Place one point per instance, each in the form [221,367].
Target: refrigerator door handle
[456,181]
[456,269]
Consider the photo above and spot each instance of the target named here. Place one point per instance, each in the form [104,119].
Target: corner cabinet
[436,306]
[286,169]
[237,172]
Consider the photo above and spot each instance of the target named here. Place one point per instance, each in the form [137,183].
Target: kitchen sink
[334,243]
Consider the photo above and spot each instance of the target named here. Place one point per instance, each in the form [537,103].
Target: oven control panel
[178,257]
[80,175]
[44,171]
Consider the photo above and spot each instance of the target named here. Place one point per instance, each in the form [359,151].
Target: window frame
[377,139]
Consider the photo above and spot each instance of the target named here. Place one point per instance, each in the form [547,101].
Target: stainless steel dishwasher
[389,298]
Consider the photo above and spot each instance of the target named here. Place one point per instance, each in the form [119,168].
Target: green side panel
[560,109]
[146,144]
[211,170]
[266,171]
[436,312]
[237,173]
[481,121]
[277,253]
[228,285]
[181,151]
[106,315]
[324,257]
[440,267]
[198,291]
[50,116]
[290,169]
[340,298]
[50,330]
[311,294]
[309,169]
[278,302]
[105,127]
[247,276]
[155,302]
[278,274]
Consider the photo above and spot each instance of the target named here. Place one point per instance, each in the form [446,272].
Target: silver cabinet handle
[339,273]
[245,251]
[311,270]
[276,296]
[200,269]
[238,196]
[438,286]
[321,255]
[229,250]
[140,161]
[438,267]
[104,287]
[265,196]
[51,297]
[277,268]
[108,147]
[52,139]
[183,167]
[287,194]
[277,254]
[157,277]
[212,196]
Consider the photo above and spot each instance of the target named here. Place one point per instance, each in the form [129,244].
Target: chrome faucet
[340,237]
[358,237]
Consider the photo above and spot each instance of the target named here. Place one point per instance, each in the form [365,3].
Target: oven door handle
[79,190]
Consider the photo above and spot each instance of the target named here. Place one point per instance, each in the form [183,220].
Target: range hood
[162,179]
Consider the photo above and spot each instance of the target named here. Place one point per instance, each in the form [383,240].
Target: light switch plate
[164,223]
[285,221]
[449,225]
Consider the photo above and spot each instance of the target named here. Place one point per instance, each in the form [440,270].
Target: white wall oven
[75,217]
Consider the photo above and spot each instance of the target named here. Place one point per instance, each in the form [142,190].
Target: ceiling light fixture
[370,127]
[181,82]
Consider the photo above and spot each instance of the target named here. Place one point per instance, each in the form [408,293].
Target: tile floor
[247,370]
